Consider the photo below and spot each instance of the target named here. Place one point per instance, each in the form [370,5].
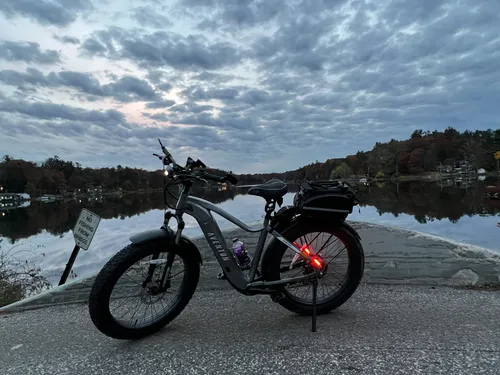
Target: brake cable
[174,182]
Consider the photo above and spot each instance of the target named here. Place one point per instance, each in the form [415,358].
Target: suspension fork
[151,270]
[166,272]
[170,256]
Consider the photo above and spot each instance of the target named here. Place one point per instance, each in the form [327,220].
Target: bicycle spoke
[152,303]
[331,248]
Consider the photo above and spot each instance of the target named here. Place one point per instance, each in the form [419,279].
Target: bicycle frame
[201,210]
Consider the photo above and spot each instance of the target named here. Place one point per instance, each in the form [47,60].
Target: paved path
[392,256]
[398,329]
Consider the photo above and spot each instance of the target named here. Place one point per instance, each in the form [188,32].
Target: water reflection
[425,202]
[59,217]
[448,199]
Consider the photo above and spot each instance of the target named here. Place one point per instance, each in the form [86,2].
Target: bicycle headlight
[168,170]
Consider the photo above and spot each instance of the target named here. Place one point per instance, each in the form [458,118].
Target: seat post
[270,206]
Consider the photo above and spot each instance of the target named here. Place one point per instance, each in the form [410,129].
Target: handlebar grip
[229,178]
[214,177]
[200,163]
[232,179]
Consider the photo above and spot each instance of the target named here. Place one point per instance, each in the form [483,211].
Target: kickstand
[315,292]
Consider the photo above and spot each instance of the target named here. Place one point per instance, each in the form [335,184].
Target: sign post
[83,233]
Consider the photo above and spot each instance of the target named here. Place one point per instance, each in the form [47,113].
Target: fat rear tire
[106,279]
[274,254]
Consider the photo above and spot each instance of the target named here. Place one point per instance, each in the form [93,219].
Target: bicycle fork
[165,278]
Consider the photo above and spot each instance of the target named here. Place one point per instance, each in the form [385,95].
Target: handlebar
[227,178]
[187,171]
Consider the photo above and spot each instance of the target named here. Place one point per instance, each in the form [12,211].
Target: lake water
[450,210]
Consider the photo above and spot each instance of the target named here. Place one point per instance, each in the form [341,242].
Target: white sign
[85,228]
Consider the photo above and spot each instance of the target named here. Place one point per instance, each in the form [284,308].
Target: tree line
[420,153]
[55,176]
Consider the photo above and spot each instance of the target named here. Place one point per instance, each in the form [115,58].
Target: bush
[19,275]
[9,292]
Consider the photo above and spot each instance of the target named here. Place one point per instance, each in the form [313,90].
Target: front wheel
[339,249]
[141,289]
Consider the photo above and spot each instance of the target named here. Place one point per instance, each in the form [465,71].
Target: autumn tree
[342,171]
[6,159]
[417,134]
[415,162]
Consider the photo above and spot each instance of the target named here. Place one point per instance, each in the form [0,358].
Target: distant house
[464,167]
[97,190]
[9,197]
[445,168]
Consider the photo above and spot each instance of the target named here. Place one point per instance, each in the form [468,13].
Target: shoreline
[460,246]
[393,255]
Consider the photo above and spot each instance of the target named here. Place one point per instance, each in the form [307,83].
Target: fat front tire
[356,263]
[99,300]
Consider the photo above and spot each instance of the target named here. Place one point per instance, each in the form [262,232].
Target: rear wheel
[340,250]
[129,300]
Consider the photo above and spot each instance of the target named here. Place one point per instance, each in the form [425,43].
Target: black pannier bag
[330,199]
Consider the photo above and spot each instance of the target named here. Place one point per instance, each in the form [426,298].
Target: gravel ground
[397,329]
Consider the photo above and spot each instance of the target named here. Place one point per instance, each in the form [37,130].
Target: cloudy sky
[246,85]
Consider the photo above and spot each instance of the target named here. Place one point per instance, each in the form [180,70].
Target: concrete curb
[18,307]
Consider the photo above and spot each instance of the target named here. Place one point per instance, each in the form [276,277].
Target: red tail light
[304,248]
[317,262]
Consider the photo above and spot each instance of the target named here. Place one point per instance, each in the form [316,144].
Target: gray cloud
[45,12]
[228,93]
[158,116]
[124,89]
[162,49]
[298,44]
[213,77]
[28,52]
[93,47]
[191,107]
[163,80]
[161,104]
[223,121]
[225,14]
[130,88]
[156,76]
[326,77]
[148,17]
[84,82]
[50,111]
[67,39]
[166,87]
[31,77]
